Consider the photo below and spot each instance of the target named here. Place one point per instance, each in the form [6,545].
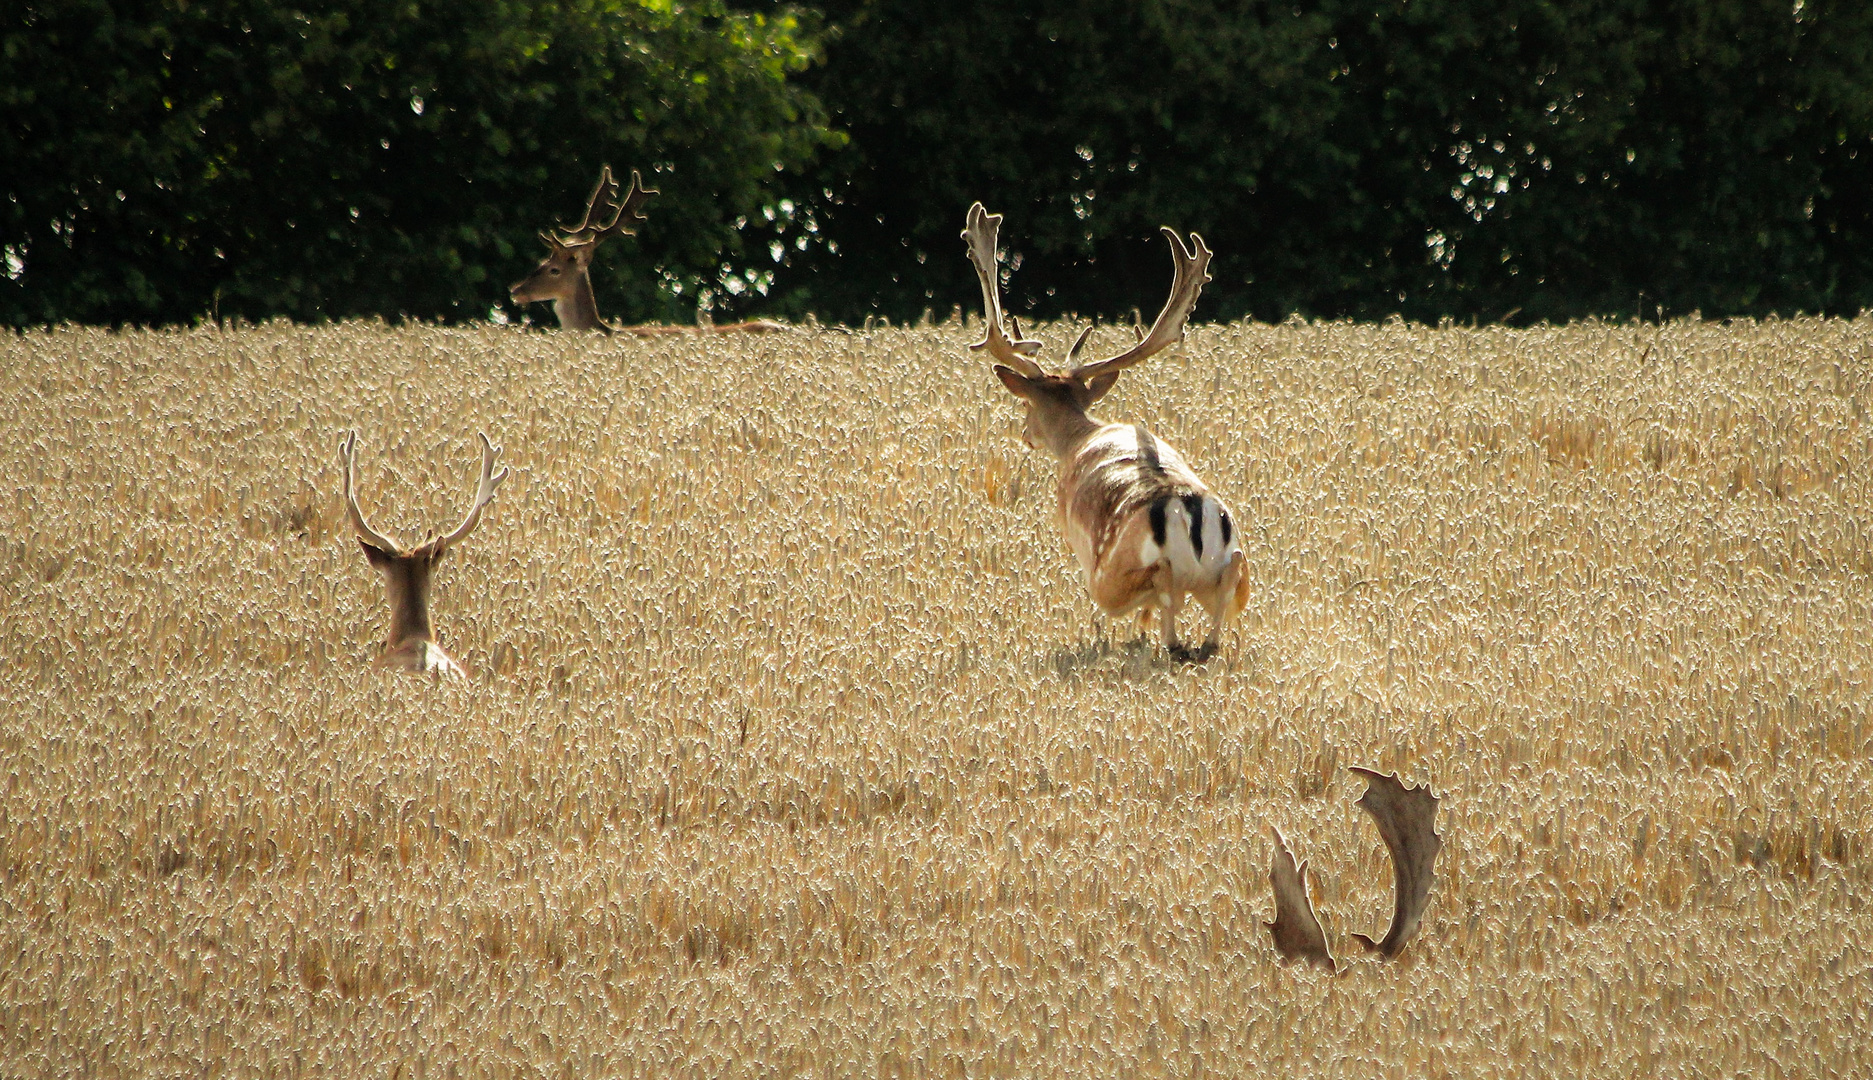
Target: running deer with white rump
[1147,531]
[565,275]
[411,643]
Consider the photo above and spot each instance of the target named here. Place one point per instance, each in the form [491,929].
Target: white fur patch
[1187,565]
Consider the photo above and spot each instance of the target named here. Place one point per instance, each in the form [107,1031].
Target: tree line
[171,160]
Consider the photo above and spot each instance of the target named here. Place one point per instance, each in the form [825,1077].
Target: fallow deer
[1407,820]
[411,643]
[1147,531]
[565,275]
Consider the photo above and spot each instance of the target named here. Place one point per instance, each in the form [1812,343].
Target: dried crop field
[794,748]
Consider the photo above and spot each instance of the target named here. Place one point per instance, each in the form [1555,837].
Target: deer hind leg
[429,658]
[1226,602]
[1121,589]
[1172,599]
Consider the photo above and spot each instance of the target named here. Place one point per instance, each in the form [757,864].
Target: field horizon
[793,744]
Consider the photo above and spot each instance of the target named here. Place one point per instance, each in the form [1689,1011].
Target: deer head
[564,276]
[411,643]
[1058,404]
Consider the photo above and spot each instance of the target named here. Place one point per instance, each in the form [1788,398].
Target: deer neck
[1064,428]
[407,581]
[579,309]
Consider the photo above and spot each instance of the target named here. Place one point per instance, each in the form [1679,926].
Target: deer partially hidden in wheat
[411,643]
[1407,821]
[1147,531]
[565,275]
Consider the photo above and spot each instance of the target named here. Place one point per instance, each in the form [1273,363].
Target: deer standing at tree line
[565,275]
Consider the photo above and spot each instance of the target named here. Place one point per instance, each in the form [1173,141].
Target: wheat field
[794,747]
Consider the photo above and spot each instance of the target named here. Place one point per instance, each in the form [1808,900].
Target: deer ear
[375,555]
[1097,386]
[1018,384]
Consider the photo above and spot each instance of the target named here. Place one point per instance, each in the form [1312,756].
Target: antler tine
[634,201]
[1192,271]
[628,215]
[624,215]
[1296,928]
[1407,819]
[982,235]
[603,199]
[348,463]
[484,492]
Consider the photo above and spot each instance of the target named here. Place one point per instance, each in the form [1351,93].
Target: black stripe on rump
[1229,528]
[1157,521]
[1193,506]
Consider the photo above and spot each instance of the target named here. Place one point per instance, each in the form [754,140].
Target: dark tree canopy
[1423,157]
[162,159]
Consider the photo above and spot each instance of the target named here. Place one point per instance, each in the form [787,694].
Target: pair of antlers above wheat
[1407,820]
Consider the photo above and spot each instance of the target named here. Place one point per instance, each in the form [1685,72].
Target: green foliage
[1423,157]
[164,160]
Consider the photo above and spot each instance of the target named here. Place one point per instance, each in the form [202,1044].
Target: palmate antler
[348,458]
[1407,820]
[1296,928]
[484,494]
[1190,272]
[596,227]
[983,234]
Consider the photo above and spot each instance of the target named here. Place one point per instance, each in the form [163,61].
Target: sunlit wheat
[794,746]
